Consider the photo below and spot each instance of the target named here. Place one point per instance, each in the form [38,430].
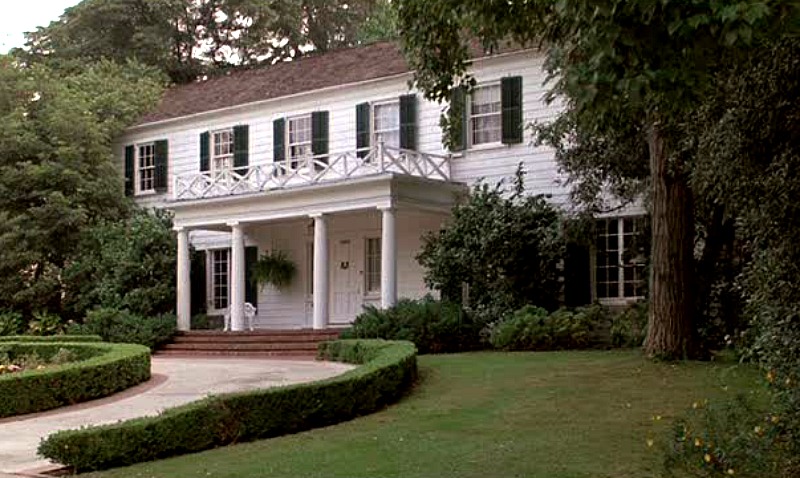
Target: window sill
[487,147]
[620,301]
[141,194]
[372,296]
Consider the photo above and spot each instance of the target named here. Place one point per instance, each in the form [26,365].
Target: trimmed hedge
[51,338]
[101,369]
[387,371]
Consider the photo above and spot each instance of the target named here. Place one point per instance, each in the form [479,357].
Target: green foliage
[731,438]
[45,323]
[122,326]
[207,322]
[57,177]
[51,338]
[629,327]
[125,264]
[386,371]
[433,326]
[273,268]
[533,328]
[98,370]
[187,40]
[10,323]
[505,245]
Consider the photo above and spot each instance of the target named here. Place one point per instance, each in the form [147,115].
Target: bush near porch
[123,326]
[99,370]
[387,370]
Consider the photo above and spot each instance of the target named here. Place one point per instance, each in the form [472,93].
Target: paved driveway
[175,381]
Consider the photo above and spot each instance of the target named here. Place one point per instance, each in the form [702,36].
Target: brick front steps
[258,343]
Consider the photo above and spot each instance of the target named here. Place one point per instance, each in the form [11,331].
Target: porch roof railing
[311,170]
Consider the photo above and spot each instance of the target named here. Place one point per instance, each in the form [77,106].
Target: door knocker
[344,265]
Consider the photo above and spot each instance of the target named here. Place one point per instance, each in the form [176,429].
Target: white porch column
[184,285]
[321,293]
[388,258]
[236,307]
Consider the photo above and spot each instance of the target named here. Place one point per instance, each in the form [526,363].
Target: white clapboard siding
[492,164]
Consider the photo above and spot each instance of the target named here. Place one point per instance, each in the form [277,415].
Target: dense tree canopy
[630,73]
[190,38]
[57,175]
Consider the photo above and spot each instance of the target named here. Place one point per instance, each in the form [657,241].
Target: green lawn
[548,415]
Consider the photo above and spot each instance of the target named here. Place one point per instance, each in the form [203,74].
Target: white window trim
[213,157]
[210,310]
[468,106]
[137,175]
[619,299]
[375,293]
[288,144]
[373,133]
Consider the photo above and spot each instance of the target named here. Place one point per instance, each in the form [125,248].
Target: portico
[337,281]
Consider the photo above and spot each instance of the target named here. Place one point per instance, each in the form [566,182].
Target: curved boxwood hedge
[101,369]
[387,371]
[51,338]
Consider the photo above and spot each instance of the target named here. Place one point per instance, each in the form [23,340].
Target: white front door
[346,293]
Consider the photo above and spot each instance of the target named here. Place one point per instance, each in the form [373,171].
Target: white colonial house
[337,162]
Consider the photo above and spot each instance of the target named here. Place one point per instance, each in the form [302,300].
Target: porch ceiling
[369,192]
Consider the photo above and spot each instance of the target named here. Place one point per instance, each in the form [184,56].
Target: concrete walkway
[175,381]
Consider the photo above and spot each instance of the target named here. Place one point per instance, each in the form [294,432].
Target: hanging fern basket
[273,268]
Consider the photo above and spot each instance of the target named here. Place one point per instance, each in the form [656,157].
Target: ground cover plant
[538,415]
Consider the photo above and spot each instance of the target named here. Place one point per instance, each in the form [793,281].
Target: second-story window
[485,115]
[146,169]
[386,123]
[299,144]
[222,157]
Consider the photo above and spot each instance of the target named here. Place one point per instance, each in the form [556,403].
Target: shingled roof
[334,68]
[338,67]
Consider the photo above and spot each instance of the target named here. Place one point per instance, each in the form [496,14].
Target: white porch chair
[249,315]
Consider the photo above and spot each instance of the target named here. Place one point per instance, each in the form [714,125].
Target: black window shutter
[408,122]
[205,151]
[363,132]
[251,287]
[278,140]
[512,109]
[319,135]
[241,148]
[130,158]
[457,116]
[198,282]
[577,275]
[162,166]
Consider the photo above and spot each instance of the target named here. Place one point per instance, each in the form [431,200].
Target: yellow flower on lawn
[758,430]
[650,443]
[698,442]
[774,419]
[730,471]
[770,376]
[707,458]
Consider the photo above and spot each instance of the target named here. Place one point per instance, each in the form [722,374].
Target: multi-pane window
[299,140]
[147,167]
[372,269]
[220,273]
[619,269]
[386,124]
[222,157]
[485,115]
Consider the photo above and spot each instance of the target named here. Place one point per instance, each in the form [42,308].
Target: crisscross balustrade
[311,170]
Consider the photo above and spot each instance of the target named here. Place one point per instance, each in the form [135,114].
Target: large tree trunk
[670,332]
